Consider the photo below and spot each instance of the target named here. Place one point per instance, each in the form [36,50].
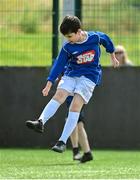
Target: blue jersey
[82,58]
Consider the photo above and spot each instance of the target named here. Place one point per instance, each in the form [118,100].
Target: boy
[83,73]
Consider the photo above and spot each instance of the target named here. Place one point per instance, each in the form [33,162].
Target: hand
[114,61]
[47,88]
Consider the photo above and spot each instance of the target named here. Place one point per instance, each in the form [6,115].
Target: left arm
[109,46]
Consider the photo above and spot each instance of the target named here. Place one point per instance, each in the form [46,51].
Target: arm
[106,42]
[56,70]
[109,46]
[59,65]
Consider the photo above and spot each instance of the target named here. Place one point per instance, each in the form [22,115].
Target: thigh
[77,103]
[67,83]
[84,87]
[61,95]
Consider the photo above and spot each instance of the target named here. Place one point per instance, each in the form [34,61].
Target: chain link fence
[25,32]
[118,18]
[26,29]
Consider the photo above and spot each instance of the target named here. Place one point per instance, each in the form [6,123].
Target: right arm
[47,88]
[56,70]
[58,66]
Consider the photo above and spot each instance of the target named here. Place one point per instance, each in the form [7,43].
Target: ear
[79,31]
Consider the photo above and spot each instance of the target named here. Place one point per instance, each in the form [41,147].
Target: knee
[80,127]
[60,96]
[77,103]
[74,108]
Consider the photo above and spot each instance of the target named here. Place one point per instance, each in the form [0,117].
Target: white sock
[69,126]
[49,110]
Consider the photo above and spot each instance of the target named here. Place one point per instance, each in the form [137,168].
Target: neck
[83,36]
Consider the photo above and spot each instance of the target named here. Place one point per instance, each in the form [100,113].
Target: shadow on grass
[62,164]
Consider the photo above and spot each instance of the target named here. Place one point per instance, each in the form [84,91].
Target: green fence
[25,32]
[118,18]
[26,28]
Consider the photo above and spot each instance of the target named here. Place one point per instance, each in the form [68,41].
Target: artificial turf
[46,164]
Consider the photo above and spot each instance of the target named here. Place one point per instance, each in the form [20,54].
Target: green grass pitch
[46,164]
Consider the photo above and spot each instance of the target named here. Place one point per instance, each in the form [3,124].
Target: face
[73,37]
[119,54]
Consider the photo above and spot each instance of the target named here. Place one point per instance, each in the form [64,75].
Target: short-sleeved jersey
[82,58]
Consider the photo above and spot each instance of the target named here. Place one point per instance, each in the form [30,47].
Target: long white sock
[69,126]
[49,110]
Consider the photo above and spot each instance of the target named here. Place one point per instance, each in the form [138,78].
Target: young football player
[82,54]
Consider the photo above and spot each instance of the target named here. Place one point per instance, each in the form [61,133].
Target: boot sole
[31,126]
[87,160]
[57,150]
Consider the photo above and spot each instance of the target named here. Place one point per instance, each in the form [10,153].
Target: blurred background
[26,27]
[30,40]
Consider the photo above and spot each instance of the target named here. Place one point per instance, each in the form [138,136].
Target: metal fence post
[55,29]
[78,11]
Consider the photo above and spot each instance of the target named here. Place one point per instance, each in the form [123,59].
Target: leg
[83,141]
[53,105]
[48,111]
[74,135]
[82,135]
[75,144]
[83,89]
[74,138]
[73,117]
[71,122]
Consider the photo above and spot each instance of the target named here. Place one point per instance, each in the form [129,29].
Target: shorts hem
[85,101]
[65,90]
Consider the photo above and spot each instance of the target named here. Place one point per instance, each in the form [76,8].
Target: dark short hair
[70,24]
